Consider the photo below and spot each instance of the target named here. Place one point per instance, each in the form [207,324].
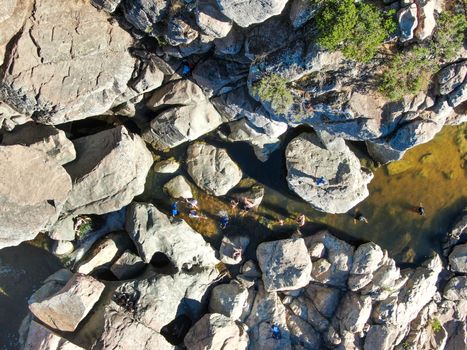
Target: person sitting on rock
[301,219]
[187,68]
[175,211]
[195,215]
[276,332]
[223,221]
[237,254]
[247,205]
[321,181]
[421,210]
[233,203]
[359,217]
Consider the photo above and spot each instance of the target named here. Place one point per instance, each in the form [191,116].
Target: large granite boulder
[70,305]
[247,13]
[367,259]
[158,300]
[42,338]
[353,312]
[153,232]
[228,299]
[456,289]
[285,264]
[110,170]
[45,138]
[426,15]
[184,113]
[327,175]
[217,332]
[178,187]
[68,62]
[144,14]
[338,254]
[211,21]
[458,258]
[122,332]
[33,191]
[212,169]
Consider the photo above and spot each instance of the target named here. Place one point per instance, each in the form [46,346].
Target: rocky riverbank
[93,94]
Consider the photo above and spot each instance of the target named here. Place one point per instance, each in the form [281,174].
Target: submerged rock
[326,174]
[217,332]
[110,170]
[62,48]
[33,191]
[153,232]
[212,169]
[70,305]
[285,264]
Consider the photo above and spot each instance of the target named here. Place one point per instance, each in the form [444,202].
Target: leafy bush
[273,88]
[436,325]
[358,29]
[409,72]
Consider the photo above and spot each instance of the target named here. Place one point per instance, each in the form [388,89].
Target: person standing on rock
[175,211]
[223,220]
[421,210]
[301,219]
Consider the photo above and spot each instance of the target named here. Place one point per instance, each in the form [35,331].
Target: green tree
[357,29]
[449,35]
[273,88]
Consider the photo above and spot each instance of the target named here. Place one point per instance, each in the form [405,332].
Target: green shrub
[273,88]
[449,35]
[436,325]
[358,29]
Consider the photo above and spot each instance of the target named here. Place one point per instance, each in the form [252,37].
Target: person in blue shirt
[175,211]
[223,221]
[276,332]
[321,181]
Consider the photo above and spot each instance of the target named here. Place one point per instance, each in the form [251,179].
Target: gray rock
[321,271]
[456,232]
[127,265]
[217,332]
[168,166]
[220,76]
[456,289]
[228,299]
[42,338]
[44,138]
[110,170]
[426,15]
[338,253]
[33,191]
[380,338]
[353,312]
[178,187]
[145,14]
[53,77]
[248,13]
[408,21]
[451,77]
[153,232]
[66,309]
[232,249]
[325,299]
[367,259]
[122,332]
[231,44]
[285,264]
[304,308]
[211,21]
[212,169]
[159,299]
[180,30]
[267,310]
[302,334]
[458,258]
[12,18]
[62,247]
[254,192]
[107,5]
[316,250]
[459,95]
[104,253]
[301,11]
[9,118]
[345,181]
[187,114]
[51,286]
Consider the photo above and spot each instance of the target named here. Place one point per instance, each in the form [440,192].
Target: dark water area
[22,270]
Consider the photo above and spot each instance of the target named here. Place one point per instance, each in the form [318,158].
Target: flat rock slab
[285,264]
[328,175]
[110,170]
[69,62]
[42,338]
[33,191]
[212,169]
[70,305]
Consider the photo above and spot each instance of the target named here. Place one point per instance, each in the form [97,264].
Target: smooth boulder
[328,175]
[178,187]
[246,13]
[110,170]
[33,191]
[212,169]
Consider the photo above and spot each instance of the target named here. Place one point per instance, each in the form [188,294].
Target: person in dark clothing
[276,332]
[421,210]
[359,217]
